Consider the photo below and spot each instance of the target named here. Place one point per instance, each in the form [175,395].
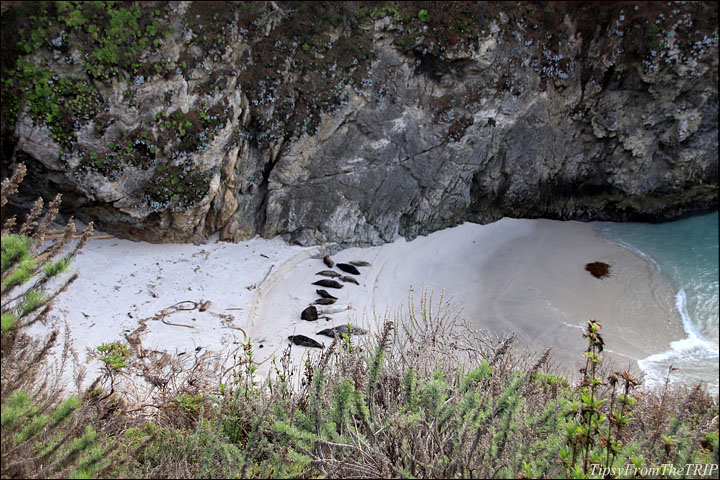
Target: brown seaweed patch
[598,269]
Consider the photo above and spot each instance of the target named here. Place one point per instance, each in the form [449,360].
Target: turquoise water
[687,251]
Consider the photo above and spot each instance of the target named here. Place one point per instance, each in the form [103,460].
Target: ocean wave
[694,339]
[686,251]
[691,353]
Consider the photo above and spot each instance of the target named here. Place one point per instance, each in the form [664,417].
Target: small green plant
[423,15]
[18,404]
[581,435]
[651,37]
[618,414]
[189,405]
[115,355]
[250,366]
[65,409]
[50,99]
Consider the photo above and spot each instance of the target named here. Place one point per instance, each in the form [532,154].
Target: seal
[304,341]
[328,261]
[324,301]
[346,267]
[345,278]
[330,309]
[310,314]
[328,283]
[360,263]
[325,294]
[342,330]
[329,273]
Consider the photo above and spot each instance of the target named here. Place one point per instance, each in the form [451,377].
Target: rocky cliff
[356,122]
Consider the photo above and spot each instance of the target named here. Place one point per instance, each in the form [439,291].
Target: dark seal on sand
[325,294]
[304,341]
[346,267]
[328,283]
[598,269]
[324,301]
[309,314]
[342,330]
[328,261]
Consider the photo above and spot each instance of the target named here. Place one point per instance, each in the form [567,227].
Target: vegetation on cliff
[70,67]
[301,55]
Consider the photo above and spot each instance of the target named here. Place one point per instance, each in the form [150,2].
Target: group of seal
[325,304]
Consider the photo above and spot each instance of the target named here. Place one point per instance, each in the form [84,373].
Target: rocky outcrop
[608,120]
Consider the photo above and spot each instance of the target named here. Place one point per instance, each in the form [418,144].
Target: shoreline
[512,275]
[525,276]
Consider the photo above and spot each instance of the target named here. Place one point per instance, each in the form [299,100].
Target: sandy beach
[122,283]
[525,276]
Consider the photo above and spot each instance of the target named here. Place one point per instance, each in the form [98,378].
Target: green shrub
[15,249]
[65,409]
[54,269]
[115,354]
[31,301]
[17,405]
[8,321]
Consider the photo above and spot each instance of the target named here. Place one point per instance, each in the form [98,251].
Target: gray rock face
[385,168]
[501,129]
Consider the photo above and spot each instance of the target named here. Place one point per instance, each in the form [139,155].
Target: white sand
[122,282]
[513,275]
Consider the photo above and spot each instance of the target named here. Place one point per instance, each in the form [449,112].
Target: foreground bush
[427,402]
[42,432]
